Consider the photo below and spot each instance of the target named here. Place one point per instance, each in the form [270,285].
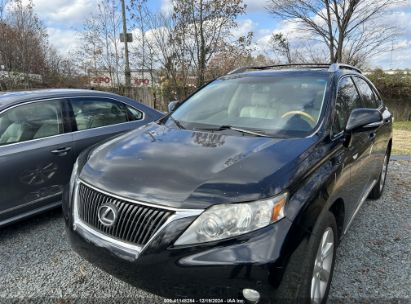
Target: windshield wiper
[228,127]
[176,122]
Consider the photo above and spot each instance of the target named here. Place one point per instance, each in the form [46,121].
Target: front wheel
[308,275]
[378,189]
[323,264]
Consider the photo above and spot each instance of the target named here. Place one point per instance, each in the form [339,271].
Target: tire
[299,276]
[378,189]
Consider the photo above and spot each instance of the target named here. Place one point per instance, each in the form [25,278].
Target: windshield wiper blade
[176,122]
[228,127]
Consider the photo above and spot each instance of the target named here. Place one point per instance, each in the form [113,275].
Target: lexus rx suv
[243,191]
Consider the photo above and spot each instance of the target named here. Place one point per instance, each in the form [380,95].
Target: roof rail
[337,66]
[331,67]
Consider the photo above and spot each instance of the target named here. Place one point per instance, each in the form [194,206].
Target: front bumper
[212,271]
[217,270]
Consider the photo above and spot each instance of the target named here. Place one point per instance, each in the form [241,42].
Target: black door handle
[61,151]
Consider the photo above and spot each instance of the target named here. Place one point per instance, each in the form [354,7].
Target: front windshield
[287,105]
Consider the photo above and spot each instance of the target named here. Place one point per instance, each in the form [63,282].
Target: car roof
[8,99]
[281,72]
[291,71]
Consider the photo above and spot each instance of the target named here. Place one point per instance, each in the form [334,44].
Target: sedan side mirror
[172,105]
[361,119]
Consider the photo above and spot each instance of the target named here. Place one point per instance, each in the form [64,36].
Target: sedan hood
[191,169]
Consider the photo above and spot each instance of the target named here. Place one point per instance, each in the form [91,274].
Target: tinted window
[134,114]
[31,121]
[284,105]
[92,113]
[368,96]
[347,100]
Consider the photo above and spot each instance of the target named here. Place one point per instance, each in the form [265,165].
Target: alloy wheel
[322,267]
[383,172]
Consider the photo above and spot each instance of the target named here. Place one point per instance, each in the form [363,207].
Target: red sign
[140,82]
[100,80]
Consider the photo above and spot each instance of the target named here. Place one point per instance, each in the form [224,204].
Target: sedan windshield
[288,106]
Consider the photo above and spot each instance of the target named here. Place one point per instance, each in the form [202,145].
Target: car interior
[93,114]
[29,122]
[288,104]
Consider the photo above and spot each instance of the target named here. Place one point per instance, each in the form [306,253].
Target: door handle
[61,151]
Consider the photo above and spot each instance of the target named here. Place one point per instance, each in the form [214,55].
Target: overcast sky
[64,18]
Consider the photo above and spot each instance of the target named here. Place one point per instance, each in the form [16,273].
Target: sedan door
[35,158]
[98,118]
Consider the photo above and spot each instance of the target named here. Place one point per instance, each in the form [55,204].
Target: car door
[377,137]
[35,157]
[357,155]
[98,118]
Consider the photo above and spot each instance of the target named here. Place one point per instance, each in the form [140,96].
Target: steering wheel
[310,119]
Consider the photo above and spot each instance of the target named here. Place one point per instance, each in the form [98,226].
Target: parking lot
[373,261]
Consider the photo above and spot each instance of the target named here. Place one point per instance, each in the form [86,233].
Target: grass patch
[402,138]
[402,125]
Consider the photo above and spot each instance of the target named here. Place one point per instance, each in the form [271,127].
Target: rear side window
[348,99]
[31,121]
[369,99]
[92,113]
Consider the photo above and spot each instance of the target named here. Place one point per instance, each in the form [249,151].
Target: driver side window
[347,100]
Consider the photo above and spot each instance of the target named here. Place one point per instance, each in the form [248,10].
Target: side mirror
[172,106]
[361,119]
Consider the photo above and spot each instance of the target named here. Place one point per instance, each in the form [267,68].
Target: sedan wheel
[383,172]
[322,266]
[376,192]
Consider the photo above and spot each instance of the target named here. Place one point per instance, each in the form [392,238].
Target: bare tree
[140,15]
[201,25]
[347,27]
[24,39]
[281,46]
[100,39]
[231,55]
[166,51]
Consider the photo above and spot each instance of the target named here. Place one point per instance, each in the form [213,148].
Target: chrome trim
[71,132]
[363,199]
[130,200]
[374,124]
[106,241]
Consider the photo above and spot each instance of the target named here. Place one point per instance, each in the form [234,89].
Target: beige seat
[48,128]
[260,107]
[14,132]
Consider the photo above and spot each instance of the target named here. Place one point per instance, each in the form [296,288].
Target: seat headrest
[259,99]
[16,115]
[115,110]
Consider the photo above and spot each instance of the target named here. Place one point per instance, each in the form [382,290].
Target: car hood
[191,169]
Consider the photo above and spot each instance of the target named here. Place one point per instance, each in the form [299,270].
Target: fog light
[251,295]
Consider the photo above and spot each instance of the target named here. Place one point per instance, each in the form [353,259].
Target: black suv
[242,191]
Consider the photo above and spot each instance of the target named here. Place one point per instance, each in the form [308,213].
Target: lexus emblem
[107,214]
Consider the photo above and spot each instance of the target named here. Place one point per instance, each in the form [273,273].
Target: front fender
[316,192]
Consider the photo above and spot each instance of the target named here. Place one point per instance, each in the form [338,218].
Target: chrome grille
[135,224]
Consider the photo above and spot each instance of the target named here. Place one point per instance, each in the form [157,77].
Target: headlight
[228,220]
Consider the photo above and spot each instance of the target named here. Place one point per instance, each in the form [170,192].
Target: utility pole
[127,72]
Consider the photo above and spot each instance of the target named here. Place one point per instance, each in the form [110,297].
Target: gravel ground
[373,262]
